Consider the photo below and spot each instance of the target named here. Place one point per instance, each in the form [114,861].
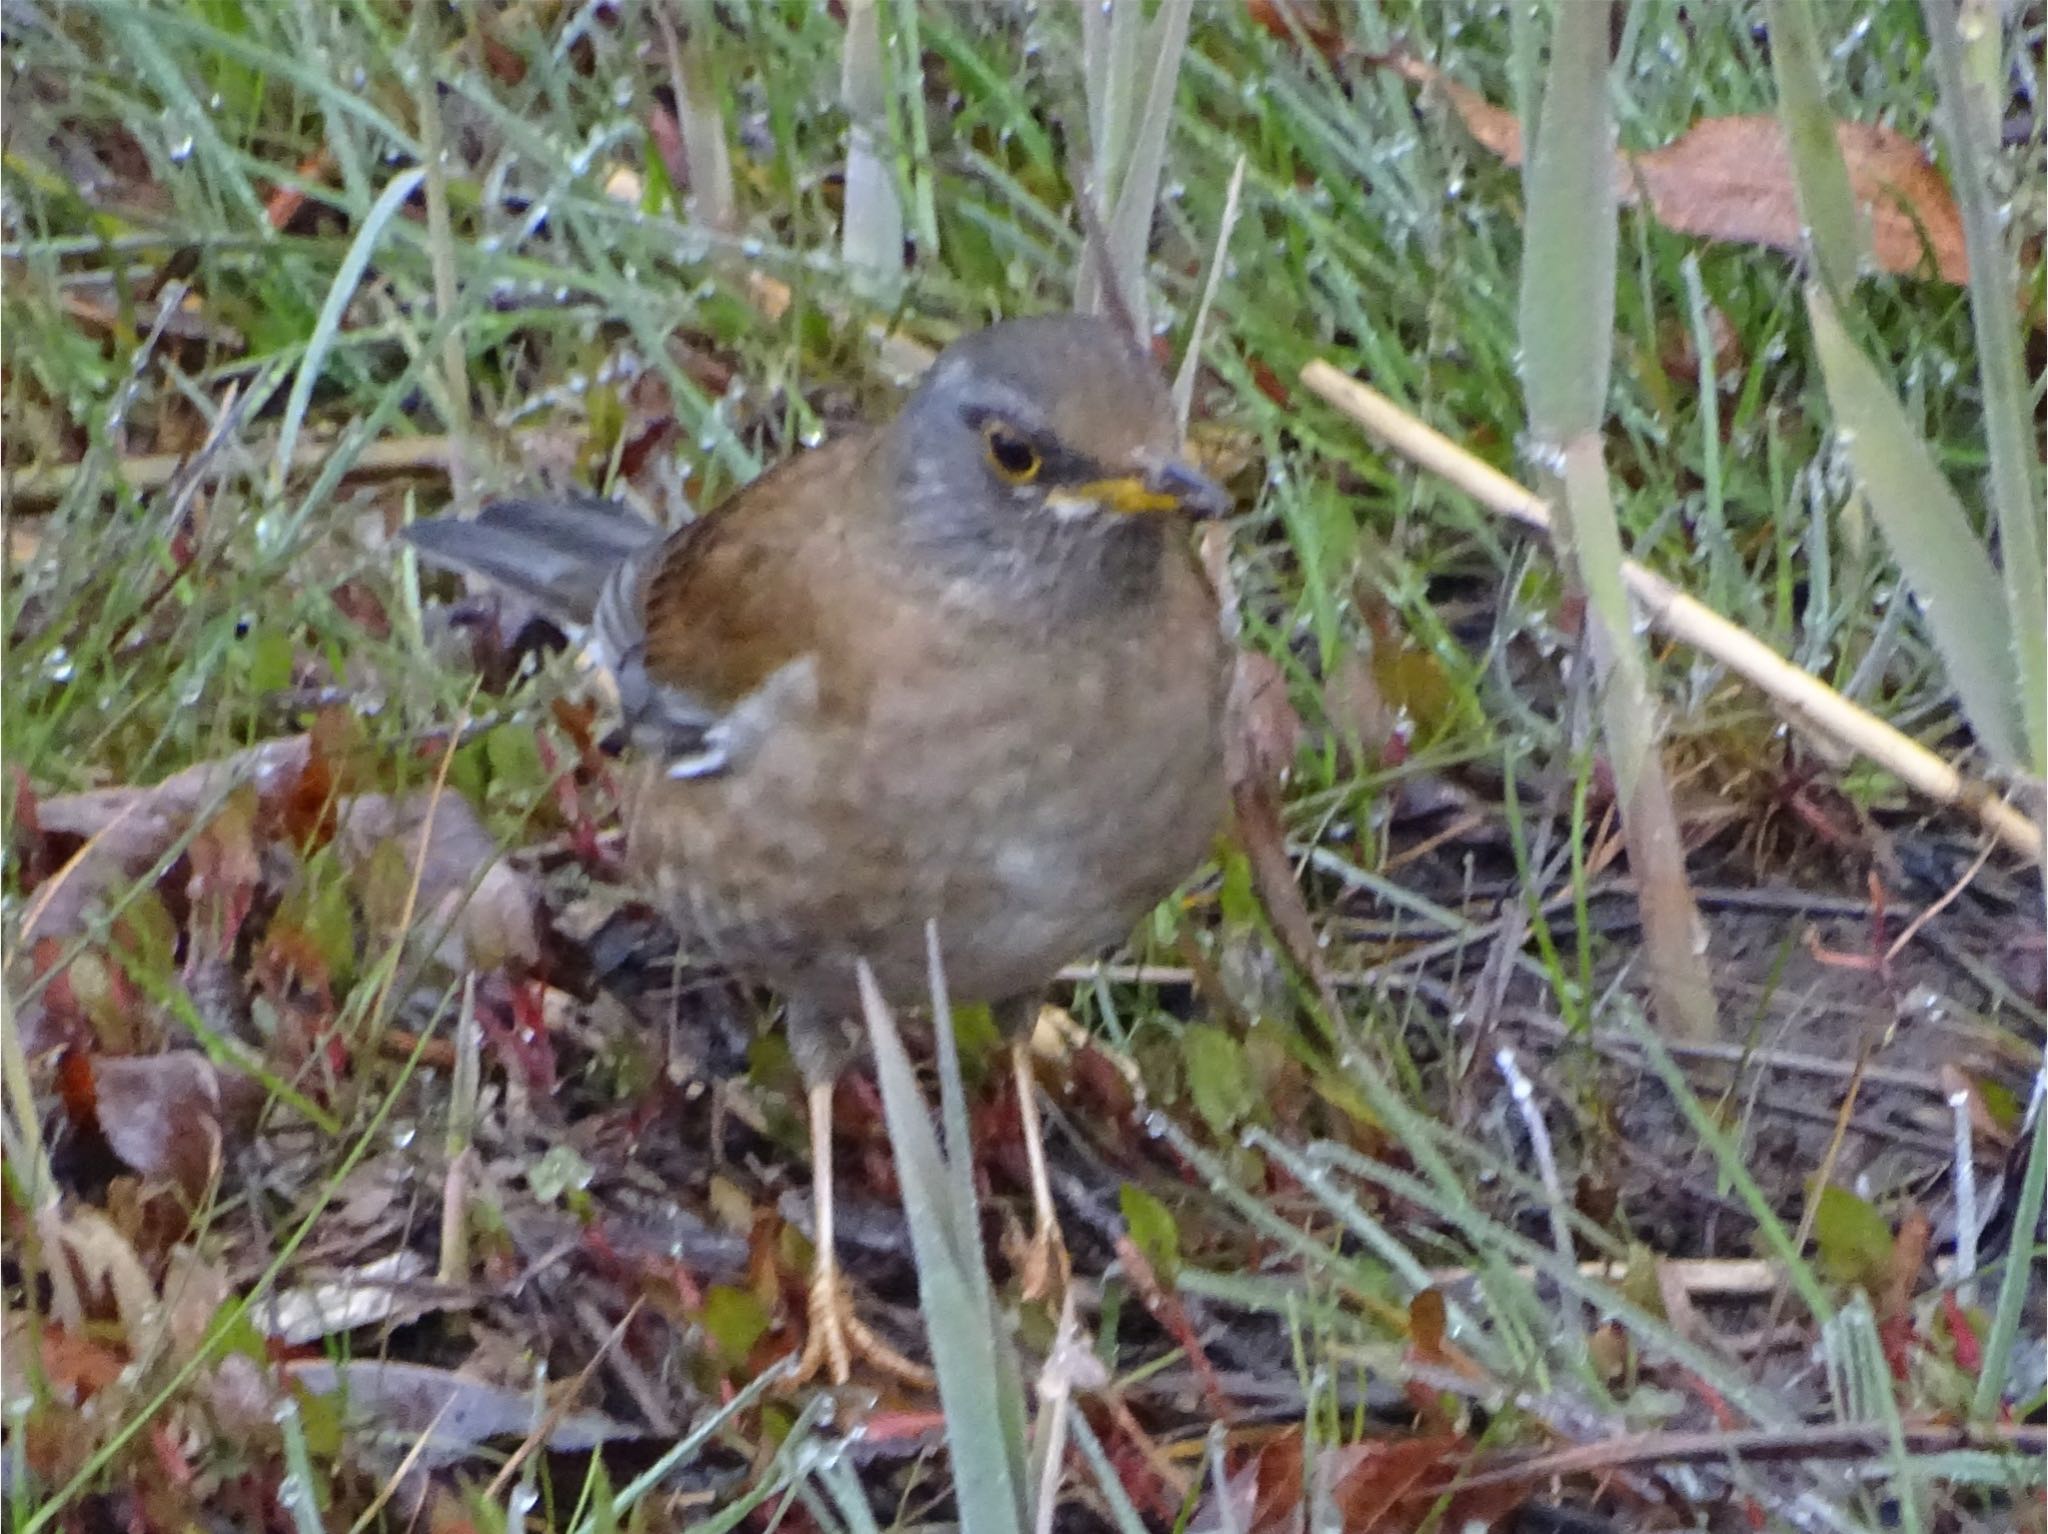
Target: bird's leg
[1045,1266]
[835,1334]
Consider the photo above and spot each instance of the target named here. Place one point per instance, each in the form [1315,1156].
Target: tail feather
[558,554]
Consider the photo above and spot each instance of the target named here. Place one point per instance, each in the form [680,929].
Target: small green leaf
[1152,1228]
[974,1031]
[268,653]
[317,903]
[1217,1078]
[734,1320]
[1237,900]
[1854,1241]
[514,757]
[558,1174]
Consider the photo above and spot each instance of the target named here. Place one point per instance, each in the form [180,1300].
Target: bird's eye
[1013,457]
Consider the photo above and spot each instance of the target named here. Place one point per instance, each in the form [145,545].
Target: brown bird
[962,669]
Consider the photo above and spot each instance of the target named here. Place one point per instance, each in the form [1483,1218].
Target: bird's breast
[1033,792]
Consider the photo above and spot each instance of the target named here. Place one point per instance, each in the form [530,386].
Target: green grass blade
[1969,123]
[2022,1264]
[1929,533]
[1825,201]
[872,234]
[1567,339]
[346,279]
[1568,254]
[1137,194]
[967,1337]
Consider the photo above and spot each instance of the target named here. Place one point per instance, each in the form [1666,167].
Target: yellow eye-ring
[1010,455]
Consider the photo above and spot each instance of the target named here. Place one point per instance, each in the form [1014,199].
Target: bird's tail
[559,554]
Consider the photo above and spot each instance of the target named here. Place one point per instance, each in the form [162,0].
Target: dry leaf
[487,926]
[1729,179]
[449,1414]
[128,829]
[1254,734]
[1390,1485]
[395,1288]
[169,1115]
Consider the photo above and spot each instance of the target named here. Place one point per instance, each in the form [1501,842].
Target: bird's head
[1051,435]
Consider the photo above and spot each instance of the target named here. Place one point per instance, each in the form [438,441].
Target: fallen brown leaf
[169,1115]
[1729,179]
[1388,1484]
[487,908]
[451,1412]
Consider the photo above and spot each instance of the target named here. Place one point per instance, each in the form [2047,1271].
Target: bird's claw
[835,1335]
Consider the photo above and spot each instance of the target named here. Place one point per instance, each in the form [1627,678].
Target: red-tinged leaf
[38,856]
[285,202]
[1101,1092]
[1275,1482]
[515,1026]
[1300,21]
[1962,1333]
[307,808]
[76,1367]
[76,1090]
[1270,384]
[1894,1297]
[291,963]
[504,62]
[362,607]
[1166,1308]
[641,447]
[170,1457]
[1397,1484]
[1896,1336]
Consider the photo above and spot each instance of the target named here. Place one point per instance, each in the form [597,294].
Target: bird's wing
[735,621]
[558,554]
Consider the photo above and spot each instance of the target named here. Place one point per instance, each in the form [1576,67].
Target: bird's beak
[1168,486]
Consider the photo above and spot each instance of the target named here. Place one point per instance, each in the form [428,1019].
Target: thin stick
[1805,699]
[1966,1200]
[1524,1096]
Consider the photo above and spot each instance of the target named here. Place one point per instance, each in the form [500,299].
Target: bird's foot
[836,1335]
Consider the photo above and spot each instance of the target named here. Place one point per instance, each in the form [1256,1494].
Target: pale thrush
[962,669]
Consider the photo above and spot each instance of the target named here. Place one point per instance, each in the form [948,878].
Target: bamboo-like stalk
[1805,700]
[1565,330]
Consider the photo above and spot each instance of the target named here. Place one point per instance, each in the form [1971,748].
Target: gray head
[1041,447]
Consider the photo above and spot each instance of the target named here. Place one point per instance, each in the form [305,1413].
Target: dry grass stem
[1806,700]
